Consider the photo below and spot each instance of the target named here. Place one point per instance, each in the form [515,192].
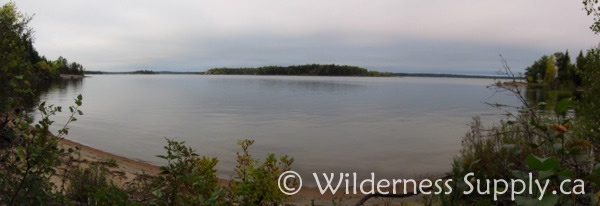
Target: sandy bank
[306,196]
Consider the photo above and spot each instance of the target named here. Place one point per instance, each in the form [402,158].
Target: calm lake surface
[395,127]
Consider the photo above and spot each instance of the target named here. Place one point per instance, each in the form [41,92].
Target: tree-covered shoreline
[300,70]
[22,68]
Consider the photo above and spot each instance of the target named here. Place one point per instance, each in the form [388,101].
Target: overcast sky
[458,36]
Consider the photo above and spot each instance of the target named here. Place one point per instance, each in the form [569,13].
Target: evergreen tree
[566,70]
[550,74]
[581,63]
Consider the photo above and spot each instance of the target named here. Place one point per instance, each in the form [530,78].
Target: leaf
[562,106]
[550,163]
[78,100]
[19,77]
[532,161]
[20,152]
[545,174]
[566,173]
[541,164]
[559,128]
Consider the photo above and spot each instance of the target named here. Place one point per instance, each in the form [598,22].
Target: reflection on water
[310,85]
[63,86]
[548,96]
[62,89]
[396,127]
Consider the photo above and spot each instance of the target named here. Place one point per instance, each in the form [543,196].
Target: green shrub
[190,179]
[548,143]
[27,165]
[256,183]
[93,186]
[187,179]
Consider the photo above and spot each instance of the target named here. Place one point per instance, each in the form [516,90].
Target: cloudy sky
[459,36]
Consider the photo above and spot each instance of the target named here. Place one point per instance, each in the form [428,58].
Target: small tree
[550,75]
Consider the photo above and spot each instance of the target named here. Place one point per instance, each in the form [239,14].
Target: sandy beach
[130,168]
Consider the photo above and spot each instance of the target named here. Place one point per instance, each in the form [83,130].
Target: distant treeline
[141,72]
[451,75]
[305,70]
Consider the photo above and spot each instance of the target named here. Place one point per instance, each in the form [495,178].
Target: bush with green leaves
[190,179]
[93,186]
[28,161]
[256,182]
[553,145]
[187,179]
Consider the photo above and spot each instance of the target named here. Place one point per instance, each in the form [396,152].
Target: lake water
[395,127]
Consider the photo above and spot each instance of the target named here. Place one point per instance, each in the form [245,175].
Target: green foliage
[580,64]
[553,71]
[31,158]
[256,183]
[190,179]
[22,70]
[550,76]
[553,145]
[64,67]
[92,186]
[29,162]
[308,70]
[29,155]
[16,74]
[588,107]
[590,6]
[144,72]
[187,179]
[140,189]
[536,72]
[566,70]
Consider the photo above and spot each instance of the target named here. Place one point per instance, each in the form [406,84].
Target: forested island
[302,70]
[142,72]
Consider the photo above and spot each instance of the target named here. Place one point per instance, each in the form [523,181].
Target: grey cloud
[419,36]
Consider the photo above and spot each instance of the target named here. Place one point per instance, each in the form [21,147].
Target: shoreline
[71,76]
[132,167]
[93,154]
